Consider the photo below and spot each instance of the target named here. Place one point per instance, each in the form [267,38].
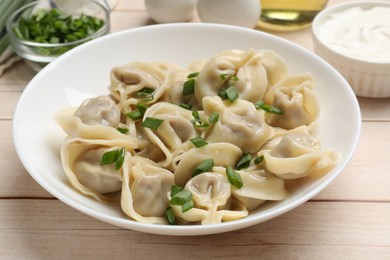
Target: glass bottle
[286,15]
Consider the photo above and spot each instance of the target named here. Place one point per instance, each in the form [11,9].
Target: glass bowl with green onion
[41,31]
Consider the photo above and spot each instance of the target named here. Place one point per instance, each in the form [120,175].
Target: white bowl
[367,78]
[84,72]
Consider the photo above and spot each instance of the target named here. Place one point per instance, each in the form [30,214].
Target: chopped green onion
[170,216]
[138,113]
[193,75]
[232,93]
[258,159]
[141,108]
[181,197]
[189,87]
[234,177]
[121,158]
[268,108]
[229,77]
[175,190]
[244,161]
[198,141]
[114,156]
[222,94]
[134,115]
[109,157]
[145,94]
[204,166]
[187,206]
[152,123]
[54,26]
[198,122]
[185,106]
[214,118]
[123,130]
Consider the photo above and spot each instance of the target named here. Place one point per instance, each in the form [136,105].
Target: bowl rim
[186,230]
[316,24]
[13,38]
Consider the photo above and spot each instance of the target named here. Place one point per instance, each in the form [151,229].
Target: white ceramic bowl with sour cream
[354,37]
[84,72]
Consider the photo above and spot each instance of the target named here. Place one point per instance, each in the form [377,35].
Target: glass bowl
[37,55]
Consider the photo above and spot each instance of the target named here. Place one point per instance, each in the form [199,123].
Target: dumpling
[211,195]
[175,129]
[76,128]
[101,110]
[174,94]
[139,82]
[223,154]
[256,70]
[295,97]
[81,162]
[144,191]
[258,186]
[239,123]
[296,156]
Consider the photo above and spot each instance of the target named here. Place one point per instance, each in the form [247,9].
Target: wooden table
[348,220]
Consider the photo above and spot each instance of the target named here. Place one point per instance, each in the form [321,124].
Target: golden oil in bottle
[286,15]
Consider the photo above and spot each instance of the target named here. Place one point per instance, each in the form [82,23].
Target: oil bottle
[287,15]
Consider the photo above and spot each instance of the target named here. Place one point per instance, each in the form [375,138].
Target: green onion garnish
[198,141]
[244,161]
[222,93]
[109,157]
[175,190]
[121,158]
[204,166]
[114,156]
[193,75]
[185,106]
[228,77]
[214,118]
[123,130]
[152,123]
[181,197]
[189,87]
[198,122]
[268,108]
[170,216]
[141,108]
[187,206]
[134,115]
[258,159]
[232,93]
[138,113]
[145,94]
[234,177]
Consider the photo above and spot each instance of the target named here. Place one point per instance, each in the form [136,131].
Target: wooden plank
[8,102]
[375,109]
[315,230]
[367,175]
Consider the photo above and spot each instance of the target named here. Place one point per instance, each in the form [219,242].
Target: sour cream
[361,33]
